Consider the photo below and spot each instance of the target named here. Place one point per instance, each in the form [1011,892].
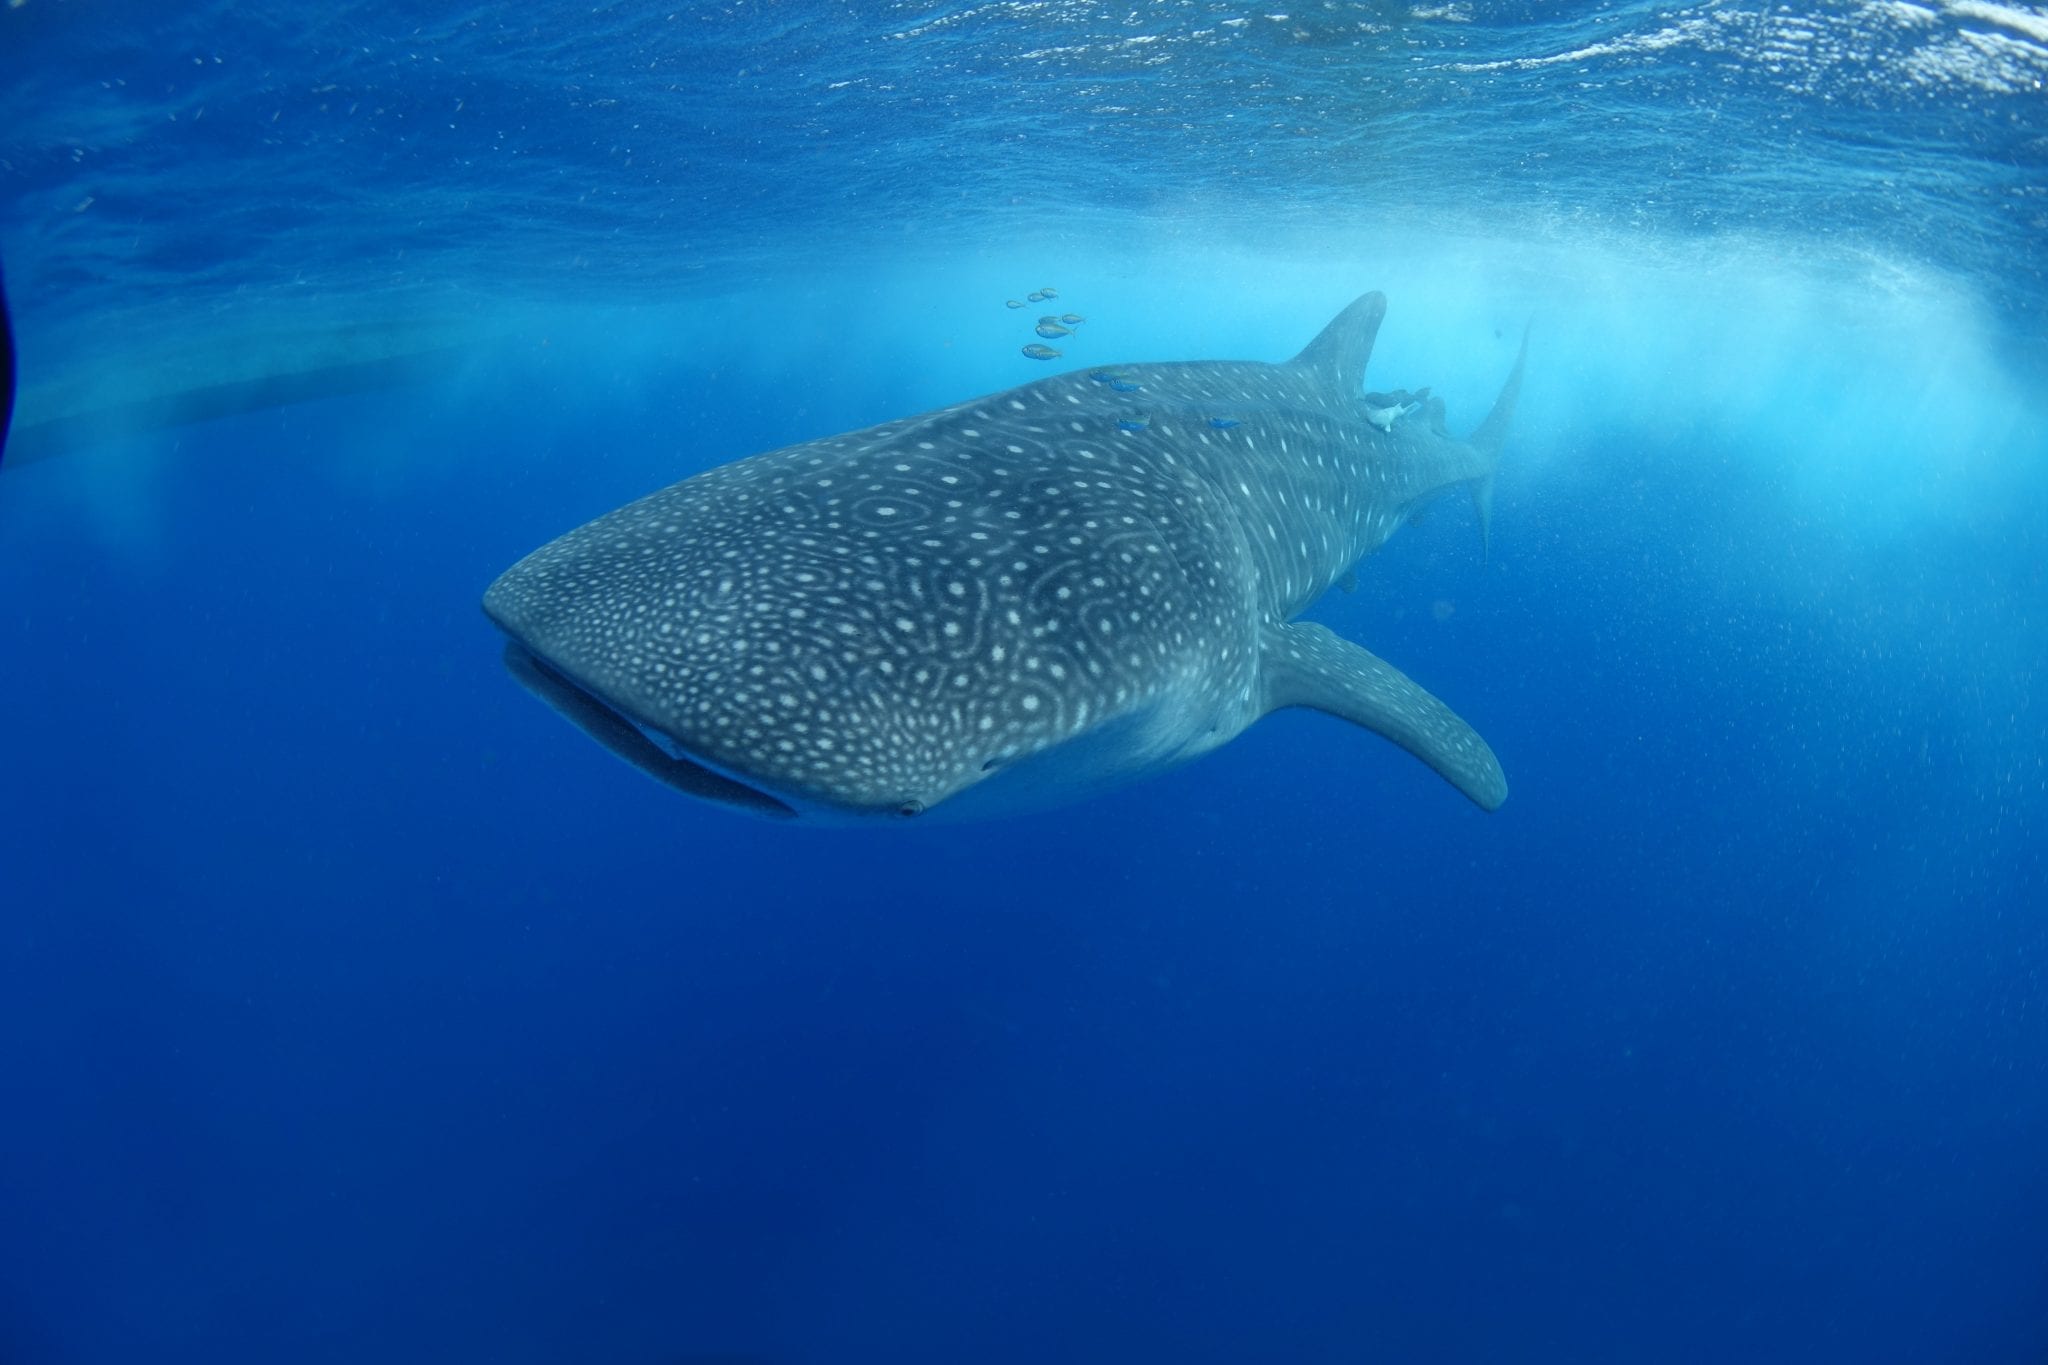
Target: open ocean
[355,1008]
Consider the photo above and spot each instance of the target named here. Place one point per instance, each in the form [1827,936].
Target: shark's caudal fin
[1338,355]
[1487,439]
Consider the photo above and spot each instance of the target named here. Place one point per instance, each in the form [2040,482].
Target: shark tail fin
[1489,434]
[1488,437]
[1338,355]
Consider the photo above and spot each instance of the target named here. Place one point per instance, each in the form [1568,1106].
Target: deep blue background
[353,1007]
[359,1008]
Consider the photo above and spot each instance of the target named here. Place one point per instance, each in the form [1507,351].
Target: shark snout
[700,702]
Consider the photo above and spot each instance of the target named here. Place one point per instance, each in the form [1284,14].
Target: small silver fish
[1038,352]
[1036,296]
[1072,319]
[1013,303]
[1384,418]
[1053,329]
[1385,409]
[1048,293]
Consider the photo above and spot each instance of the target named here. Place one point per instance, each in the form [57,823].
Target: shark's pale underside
[1009,602]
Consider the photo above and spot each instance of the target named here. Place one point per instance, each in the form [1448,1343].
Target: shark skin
[1008,603]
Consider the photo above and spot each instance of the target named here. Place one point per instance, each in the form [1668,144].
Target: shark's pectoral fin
[1304,664]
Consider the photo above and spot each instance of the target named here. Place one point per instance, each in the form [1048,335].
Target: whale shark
[1008,603]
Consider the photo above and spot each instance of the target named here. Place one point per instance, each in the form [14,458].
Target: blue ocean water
[354,1007]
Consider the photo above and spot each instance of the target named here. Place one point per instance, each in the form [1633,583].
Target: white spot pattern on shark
[979,607]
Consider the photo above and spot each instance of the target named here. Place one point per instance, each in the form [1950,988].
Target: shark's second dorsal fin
[1338,355]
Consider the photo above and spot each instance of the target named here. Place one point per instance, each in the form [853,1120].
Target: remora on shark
[1009,602]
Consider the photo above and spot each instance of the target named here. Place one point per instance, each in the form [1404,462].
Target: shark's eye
[910,808]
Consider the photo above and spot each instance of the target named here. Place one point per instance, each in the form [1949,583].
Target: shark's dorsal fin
[1305,664]
[1338,355]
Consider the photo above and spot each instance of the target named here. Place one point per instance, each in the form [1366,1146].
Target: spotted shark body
[1009,602]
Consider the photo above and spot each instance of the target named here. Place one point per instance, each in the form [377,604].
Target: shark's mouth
[624,737]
